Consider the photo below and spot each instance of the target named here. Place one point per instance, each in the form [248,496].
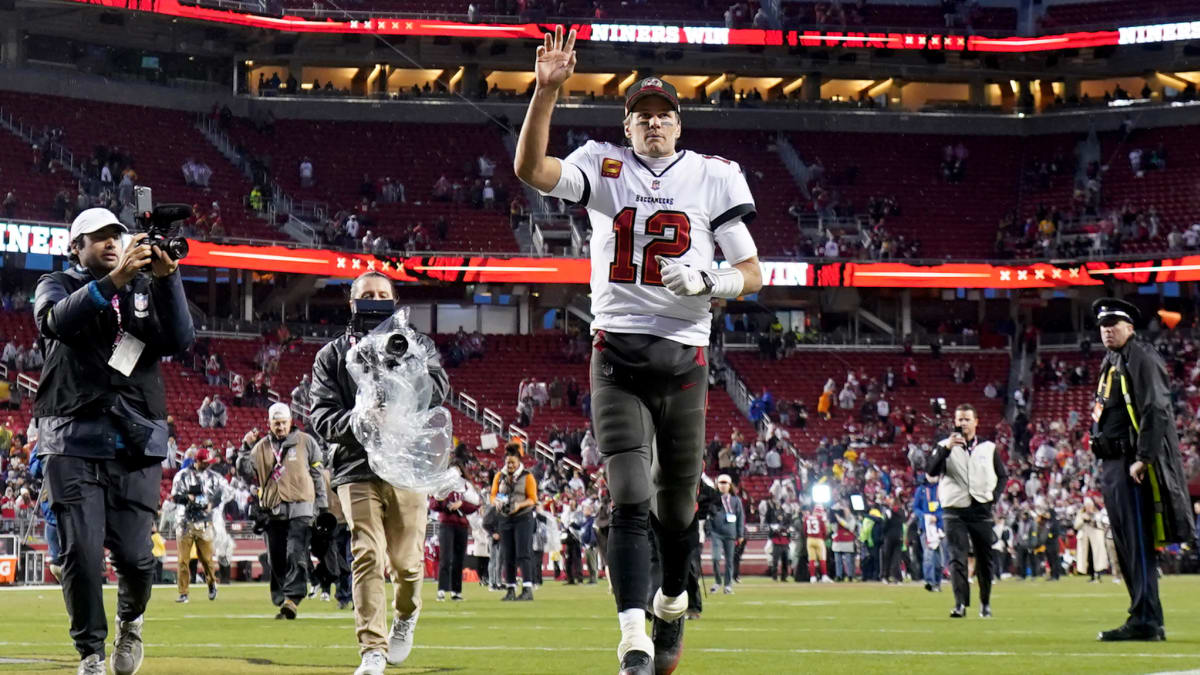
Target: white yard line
[708,650]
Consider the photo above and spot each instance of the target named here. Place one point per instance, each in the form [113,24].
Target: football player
[657,215]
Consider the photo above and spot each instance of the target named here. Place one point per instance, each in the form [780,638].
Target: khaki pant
[200,534]
[387,525]
[1090,538]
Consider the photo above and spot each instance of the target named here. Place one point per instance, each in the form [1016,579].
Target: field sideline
[1039,627]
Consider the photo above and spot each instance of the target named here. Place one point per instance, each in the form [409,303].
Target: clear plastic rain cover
[408,444]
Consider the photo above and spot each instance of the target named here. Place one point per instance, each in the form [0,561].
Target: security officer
[1143,484]
[105,324]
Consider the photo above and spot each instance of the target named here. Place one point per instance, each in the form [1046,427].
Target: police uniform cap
[1110,311]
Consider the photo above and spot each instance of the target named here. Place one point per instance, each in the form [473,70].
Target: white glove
[681,279]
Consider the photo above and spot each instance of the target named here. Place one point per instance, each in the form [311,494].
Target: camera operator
[387,524]
[286,465]
[104,324]
[196,491]
[972,477]
[516,490]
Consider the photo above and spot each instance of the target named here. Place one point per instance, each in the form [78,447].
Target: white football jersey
[636,214]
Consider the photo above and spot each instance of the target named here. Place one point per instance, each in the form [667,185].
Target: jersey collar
[658,174]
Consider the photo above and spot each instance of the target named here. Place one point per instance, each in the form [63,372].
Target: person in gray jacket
[727,527]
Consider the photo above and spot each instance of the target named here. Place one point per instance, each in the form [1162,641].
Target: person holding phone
[972,477]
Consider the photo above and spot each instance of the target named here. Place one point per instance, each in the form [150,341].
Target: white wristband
[726,283]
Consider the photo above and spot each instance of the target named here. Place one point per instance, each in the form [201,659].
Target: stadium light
[822,494]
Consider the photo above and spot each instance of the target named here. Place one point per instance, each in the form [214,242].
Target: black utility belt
[1110,448]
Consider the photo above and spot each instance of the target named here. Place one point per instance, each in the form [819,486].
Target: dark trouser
[694,575]
[650,428]
[1052,560]
[516,539]
[287,550]
[574,560]
[341,547]
[452,544]
[967,530]
[1130,511]
[779,561]
[890,565]
[103,504]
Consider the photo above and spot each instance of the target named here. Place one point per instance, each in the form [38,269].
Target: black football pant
[964,533]
[288,552]
[1130,511]
[650,429]
[103,504]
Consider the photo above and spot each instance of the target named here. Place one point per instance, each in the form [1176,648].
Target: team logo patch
[655,184]
[652,82]
[141,305]
[610,168]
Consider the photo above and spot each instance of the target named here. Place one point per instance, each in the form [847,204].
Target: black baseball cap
[1109,311]
[651,86]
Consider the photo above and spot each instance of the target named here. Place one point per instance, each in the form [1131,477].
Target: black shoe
[183,598]
[668,644]
[212,591]
[985,612]
[510,596]
[280,616]
[526,595]
[344,604]
[928,586]
[1133,632]
[958,612]
[288,610]
[636,663]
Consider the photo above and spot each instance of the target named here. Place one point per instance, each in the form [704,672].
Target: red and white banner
[670,34]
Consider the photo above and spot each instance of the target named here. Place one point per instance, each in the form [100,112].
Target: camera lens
[177,248]
[396,345]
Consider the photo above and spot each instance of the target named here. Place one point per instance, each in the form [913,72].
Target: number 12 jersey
[638,213]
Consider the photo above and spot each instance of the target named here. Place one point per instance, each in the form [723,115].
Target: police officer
[102,421]
[1145,492]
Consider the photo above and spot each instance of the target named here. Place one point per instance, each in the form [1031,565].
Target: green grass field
[1039,627]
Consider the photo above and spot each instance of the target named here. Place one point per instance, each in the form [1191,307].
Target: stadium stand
[165,139]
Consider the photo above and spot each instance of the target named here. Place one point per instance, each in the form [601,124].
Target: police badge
[141,305]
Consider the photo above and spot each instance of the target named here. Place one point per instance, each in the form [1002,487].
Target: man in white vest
[972,477]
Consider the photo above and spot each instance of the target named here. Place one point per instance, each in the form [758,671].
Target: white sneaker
[812,580]
[825,579]
[373,663]
[441,596]
[324,596]
[400,642]
[92,665]
[127,653]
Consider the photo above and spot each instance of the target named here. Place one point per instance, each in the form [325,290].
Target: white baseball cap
[279,411]
[94,220]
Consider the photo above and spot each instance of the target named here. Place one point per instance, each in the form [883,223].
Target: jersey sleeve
[579,173]
[733,200]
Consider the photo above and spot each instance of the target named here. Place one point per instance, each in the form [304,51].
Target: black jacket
[333,392]
[83,405]
[1157,442]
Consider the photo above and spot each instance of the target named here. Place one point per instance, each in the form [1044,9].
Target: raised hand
[555,59]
